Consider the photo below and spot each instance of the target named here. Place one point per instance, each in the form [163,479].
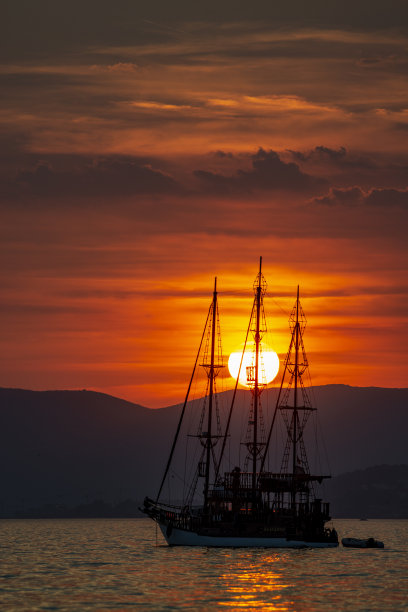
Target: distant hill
[73,447]
[363,426]
[376,492]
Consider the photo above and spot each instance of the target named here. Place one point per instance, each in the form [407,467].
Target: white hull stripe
[179,537]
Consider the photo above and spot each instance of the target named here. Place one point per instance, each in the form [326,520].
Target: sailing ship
[249,505]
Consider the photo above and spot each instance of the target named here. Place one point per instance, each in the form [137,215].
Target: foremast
[212,370]
[209,428]
[212,363]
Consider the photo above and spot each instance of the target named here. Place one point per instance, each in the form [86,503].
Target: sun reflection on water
[258,586]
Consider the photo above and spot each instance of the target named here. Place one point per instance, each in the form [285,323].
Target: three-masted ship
[249,505]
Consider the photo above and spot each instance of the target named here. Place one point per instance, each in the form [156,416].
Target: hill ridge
[73,446]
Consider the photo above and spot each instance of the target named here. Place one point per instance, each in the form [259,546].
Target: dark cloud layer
[328,176]
[321,152]
[43,27]
[355,196]
[341,158]
[346,168]
[105,177]
[268,172]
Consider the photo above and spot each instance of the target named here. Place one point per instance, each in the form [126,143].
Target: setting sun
[268,366]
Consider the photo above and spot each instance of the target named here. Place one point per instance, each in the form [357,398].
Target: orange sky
[142,158]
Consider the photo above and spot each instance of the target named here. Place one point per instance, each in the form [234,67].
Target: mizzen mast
[295,393]
[296,412]
[256,385]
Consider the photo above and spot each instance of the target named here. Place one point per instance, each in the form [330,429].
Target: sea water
[126,565]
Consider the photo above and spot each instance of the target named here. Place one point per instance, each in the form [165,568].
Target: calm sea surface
[119,565]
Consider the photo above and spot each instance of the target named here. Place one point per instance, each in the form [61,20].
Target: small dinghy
[357,543]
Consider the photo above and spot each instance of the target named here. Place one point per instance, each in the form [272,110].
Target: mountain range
[72,447]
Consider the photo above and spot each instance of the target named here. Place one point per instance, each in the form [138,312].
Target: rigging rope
[183,411]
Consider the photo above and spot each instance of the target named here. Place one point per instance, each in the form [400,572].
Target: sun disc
[267,370]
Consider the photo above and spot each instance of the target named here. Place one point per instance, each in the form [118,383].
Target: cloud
[111,176]
[268,172]
[388,197]
[344,168]
[355,196]
[58,28]
[350,196]
[341,157]
[320,152]
[122,67]
[223,154]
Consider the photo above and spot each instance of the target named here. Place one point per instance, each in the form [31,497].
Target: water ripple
[98,565]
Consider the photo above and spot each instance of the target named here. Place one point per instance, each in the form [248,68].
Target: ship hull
[181,537]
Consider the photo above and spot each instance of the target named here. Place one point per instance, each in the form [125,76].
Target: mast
[211,376]
[295,406]
[256,385]
[295,414]
[212,362]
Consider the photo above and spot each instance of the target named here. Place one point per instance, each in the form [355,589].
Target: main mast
[256,381]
